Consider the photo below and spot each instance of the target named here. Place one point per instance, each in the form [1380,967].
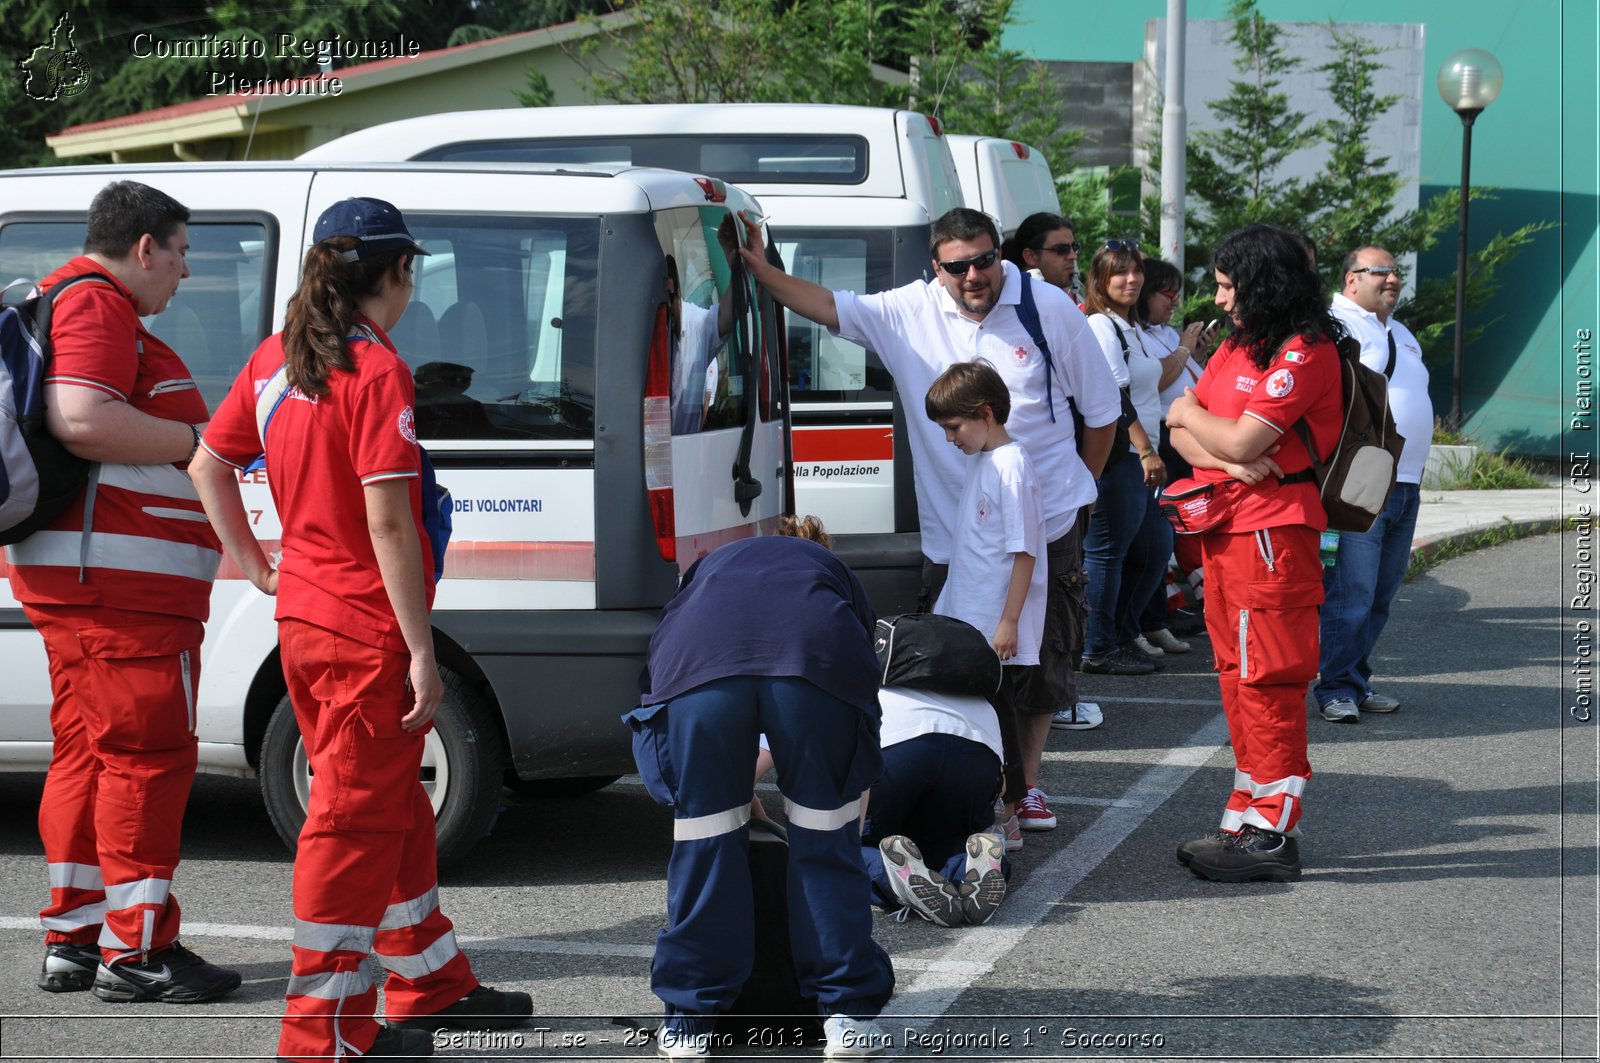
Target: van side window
[222,311]
[707,376]
[823,366]
[501,331]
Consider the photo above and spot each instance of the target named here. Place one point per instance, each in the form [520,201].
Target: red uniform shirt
[152,549]
[322,453]
[1303,381]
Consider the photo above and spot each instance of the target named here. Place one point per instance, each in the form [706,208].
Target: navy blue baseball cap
[375,222]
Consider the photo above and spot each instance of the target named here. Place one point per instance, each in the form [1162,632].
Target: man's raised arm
[803,297]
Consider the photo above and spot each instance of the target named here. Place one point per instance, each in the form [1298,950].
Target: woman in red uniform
[1263,574]
[354,588]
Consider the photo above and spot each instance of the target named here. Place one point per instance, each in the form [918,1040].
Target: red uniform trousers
[1262,593]
[122,720]
[365,878]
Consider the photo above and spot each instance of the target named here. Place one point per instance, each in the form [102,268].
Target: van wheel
[463,759]
[578,787]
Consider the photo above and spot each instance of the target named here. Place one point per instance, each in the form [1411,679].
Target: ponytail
[322,311]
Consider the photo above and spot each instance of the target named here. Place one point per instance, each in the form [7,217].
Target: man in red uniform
[1263,571]
[119,586]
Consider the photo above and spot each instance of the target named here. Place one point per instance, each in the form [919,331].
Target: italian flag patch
[1294,356]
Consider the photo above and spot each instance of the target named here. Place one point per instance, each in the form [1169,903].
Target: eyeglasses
[1120,245]
[1170,293]
[1379,271]
[957,267]
[1071,248]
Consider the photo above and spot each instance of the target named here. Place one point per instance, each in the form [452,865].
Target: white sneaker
[1165,639]
[684,1038]
[916,885]
[855,1038]
[1084,716]
[1341,710]
[1149,648]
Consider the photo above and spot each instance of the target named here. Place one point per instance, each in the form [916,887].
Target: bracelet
[1183,349]
[194,449]
[1148,452]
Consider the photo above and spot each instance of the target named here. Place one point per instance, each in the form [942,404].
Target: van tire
[556,788]
[465,754]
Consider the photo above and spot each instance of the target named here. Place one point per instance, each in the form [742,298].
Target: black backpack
[933,652]
[771,999]
[38,476]
[1028,314]
[1357,477]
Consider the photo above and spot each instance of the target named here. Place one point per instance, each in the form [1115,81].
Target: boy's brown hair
[964,389]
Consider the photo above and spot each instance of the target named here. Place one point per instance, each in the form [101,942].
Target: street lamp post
[1468,81]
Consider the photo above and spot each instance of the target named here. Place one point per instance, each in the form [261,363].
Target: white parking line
[935,991]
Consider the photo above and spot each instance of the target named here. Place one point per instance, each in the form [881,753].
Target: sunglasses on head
[957,267]
[1121,245]
[1070,248]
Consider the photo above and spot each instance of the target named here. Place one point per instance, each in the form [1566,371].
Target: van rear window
[817,159]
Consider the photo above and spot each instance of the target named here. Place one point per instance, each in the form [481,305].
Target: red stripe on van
[844,444]
[466,559]
[693,547]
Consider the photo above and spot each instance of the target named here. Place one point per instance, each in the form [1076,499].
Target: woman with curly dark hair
[1263,574]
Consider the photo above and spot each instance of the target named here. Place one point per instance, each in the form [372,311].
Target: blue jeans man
[1358,591]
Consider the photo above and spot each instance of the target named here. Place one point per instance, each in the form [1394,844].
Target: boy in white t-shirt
[997,577]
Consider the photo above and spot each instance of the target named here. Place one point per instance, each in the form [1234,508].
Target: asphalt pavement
[1448,906]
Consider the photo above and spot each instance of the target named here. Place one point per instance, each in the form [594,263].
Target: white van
[850,194]
[590,461]
[1006,179]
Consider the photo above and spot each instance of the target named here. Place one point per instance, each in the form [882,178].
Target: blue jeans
[1125,554]
[1358,591]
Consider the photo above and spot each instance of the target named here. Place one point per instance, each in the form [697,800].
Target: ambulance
[850,193]
[601,389]
[1006,179]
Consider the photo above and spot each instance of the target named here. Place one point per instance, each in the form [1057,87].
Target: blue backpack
[38,476]
[437,505]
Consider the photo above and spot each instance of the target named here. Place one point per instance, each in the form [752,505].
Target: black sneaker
[396,1044]
[172,976]
[1116,663]
[1212,839]
[1252,855]
[68,968]
[481,1009]
[1136,655]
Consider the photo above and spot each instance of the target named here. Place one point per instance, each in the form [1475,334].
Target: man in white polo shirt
[969,311]
[1362,583]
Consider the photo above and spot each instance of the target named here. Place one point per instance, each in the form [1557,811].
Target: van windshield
[824,367]
[810,158]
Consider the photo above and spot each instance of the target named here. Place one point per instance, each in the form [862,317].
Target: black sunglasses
[1120,245]
[1070,248]
[1379,271]
[957,267]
